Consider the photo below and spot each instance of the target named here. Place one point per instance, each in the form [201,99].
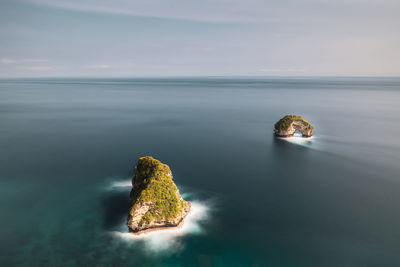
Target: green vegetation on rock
[153,186]
[285,122]
[289,124]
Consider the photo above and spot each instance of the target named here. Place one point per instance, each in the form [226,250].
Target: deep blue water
[68,146]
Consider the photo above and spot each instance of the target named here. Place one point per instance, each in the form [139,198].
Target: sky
[156,38]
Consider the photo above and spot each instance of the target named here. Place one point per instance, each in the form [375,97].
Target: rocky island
[156,202]
[289,124]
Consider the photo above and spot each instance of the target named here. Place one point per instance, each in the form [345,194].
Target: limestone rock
[288,125]
[156,202]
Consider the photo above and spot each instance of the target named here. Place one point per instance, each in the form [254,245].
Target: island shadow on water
[115,203]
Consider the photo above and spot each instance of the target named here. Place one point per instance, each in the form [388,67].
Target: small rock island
[156,202]
[289,124]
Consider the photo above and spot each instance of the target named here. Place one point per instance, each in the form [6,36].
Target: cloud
[30,64]
[27,64]
[21,61]
[294,37]
[206,11]
[110,66]
[283,70]
[34,60]
[233,10]
[39,68]
[100,66]
[7,61]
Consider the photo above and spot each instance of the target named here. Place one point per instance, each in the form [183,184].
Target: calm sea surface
[68,147]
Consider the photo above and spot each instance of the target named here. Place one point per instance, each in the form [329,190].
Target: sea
[68,147]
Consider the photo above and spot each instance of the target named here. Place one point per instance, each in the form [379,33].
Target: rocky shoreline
[164,227]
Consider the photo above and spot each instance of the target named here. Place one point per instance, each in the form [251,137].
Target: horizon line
[200,76]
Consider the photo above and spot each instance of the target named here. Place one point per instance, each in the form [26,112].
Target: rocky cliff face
[288,125]
[156,201]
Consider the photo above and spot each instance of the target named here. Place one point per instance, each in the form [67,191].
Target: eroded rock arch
[288,125]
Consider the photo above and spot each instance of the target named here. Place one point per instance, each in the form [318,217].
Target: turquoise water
[68,147]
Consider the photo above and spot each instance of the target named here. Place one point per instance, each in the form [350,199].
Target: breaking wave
[298,139]
[302,141]
[169,239]
[119,184]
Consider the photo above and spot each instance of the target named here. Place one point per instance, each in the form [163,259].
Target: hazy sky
[130,38]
